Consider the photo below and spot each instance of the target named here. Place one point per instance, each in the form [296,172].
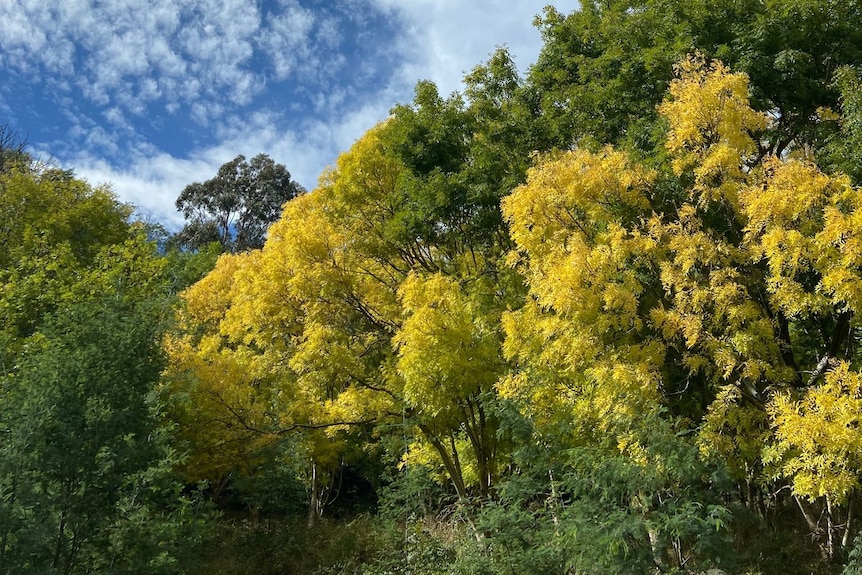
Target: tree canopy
[235,207]
[86,478]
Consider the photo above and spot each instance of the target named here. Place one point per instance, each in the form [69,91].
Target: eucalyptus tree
[235,207]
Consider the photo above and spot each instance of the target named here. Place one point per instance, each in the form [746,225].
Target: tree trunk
[450,462]
[830,531]
[657,553]
[314,503]
[812,523]
[848,524]
[61,528]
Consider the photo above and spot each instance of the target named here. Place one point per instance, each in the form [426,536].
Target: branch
[822,366]
[284,430]
[296,426]
[830,358]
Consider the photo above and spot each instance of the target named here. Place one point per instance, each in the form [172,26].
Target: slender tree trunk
[554,504]
[58,547]
[812,523]
[848,524]
[315,496]
[830,531]
[452,466]
[657,553]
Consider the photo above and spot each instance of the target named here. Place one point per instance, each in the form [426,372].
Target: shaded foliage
[85,465]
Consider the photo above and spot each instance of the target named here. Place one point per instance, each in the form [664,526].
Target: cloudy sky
[151,95]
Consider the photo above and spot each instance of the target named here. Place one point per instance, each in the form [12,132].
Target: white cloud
[103,46]
[444,39]
[210,60]
[286,37]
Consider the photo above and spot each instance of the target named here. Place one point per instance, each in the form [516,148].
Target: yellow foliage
[447,350]
[819,436]
[573,196]
[580,339]
[710,127]
[617,286]
[795,224]
[207,301]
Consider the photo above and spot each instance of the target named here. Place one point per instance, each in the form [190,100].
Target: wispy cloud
[443,39]
[155,95]
[285,40]
[163,51]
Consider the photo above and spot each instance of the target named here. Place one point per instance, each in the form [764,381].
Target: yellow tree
[236,395]
[214,381]
[721,294]
[449,357]
[327,327]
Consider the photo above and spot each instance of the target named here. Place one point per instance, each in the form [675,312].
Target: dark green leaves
[236,206]
[85,467]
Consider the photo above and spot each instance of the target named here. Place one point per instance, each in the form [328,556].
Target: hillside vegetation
[599,319]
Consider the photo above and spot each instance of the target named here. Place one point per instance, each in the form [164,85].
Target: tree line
[601,319]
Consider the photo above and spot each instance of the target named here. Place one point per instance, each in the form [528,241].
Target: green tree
[85,460]
[85,463]
[843,149]
[604,68]
[236,206]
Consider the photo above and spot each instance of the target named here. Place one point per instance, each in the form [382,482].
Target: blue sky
[151,95]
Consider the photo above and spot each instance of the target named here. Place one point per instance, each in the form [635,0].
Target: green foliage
[790,52]
[288,546]
[235,207]
[85,466]
[53,228]
[185,268]
[600,320]
[605,67]
[595,509]
[842,150]
[52,208]
[854,562]
[662,510]
[86,463]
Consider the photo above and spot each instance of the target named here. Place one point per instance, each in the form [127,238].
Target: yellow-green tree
[721,295]
[86,458]
[52,228]
[333,320]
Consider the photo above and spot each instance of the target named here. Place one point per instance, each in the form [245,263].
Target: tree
[323,316]
[236,206]
[12,149]
[604,68]
[85,463]
[728,311]
[53,229]
[843,149]
[85,459]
